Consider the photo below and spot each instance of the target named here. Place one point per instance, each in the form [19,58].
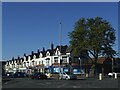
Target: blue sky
[29,26]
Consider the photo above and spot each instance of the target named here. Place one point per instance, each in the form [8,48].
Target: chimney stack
[43,49]
[52,46]
[38,51]
[25,54]
[32,53]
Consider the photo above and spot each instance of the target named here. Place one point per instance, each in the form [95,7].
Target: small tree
[93,36]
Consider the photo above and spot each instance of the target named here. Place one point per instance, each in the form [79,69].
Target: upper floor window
[39,62]
[36,62]
[24,58]
[7,63]
[34,56]
[64,59]
[42,62]
[40,55]
[24,64]
[47,61]
[56,59]
[28,57]
[48,53]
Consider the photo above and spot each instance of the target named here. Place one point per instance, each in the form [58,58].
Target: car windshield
[38,73]
[69,73]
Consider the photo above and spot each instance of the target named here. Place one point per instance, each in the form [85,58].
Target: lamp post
[112,67]
[60,39]
[80,61]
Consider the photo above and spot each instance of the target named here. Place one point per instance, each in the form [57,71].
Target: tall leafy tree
[93,36]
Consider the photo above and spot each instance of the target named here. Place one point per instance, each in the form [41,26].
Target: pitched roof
[51,51]
[63,48]
[22,59]
[69,49]
[43,53]
[101,60]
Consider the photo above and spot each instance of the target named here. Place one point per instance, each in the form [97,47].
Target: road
[54,83]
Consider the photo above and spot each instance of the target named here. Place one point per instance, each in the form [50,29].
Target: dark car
[20,74]
[9,74]
[38,76]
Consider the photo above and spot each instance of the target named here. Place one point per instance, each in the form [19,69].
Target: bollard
[100,76]
[115,75]
[87,75]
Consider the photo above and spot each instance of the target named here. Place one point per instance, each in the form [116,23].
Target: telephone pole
[60,40]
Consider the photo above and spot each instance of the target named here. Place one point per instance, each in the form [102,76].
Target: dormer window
[57,52]
[11,62]
[24,64]
[40,55]
[21,60]
[48,53]
[7,63]
[24,58]
[28,57]
[55,59]
[34,56]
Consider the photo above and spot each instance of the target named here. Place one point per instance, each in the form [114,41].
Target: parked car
[38,75]
[67,76]
[9,74]
[113,74]
[20,74]
[48,75]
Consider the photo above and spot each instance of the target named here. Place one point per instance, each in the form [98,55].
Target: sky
[29,26]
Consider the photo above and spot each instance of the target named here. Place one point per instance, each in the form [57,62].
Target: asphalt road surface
[54,83]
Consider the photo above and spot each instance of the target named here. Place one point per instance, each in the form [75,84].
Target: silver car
[67,76]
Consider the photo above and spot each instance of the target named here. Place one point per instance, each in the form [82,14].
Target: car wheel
[60,78]
[39,77]
[67,78]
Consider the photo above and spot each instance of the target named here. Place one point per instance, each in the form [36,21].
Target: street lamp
[112,65]
[60,39]
[80,61]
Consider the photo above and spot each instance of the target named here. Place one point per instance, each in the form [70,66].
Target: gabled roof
[63,48]
[43,53]
[101,60]
[37,55]
[22,59]
[31,57]
[69,49]
[51,51]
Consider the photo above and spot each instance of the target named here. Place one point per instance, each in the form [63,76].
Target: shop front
[76,69]
[47,69]
[58,69]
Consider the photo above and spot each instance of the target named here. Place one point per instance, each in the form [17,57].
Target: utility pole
[60,35]
[60,40]
[112,65]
